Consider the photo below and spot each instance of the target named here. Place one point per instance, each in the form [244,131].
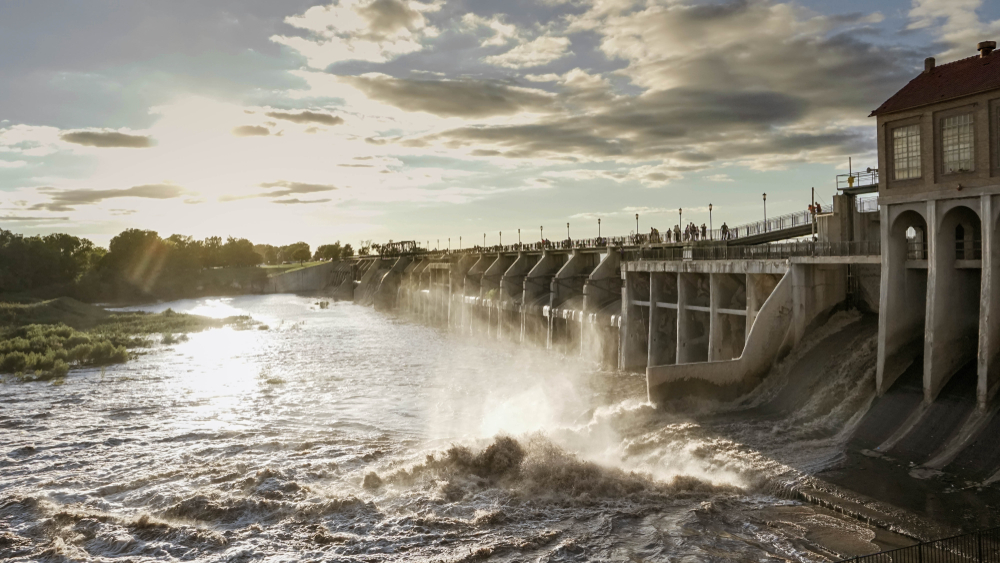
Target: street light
[598,227]
[501,239]
[484,240]
[710,221]
[765,210]
[567,231]
[680,218]
[637,224]
[541,234]
[519,237]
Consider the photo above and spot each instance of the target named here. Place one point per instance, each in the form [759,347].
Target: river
[343,434]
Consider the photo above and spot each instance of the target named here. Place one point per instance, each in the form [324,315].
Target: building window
[958,154]
[906,152]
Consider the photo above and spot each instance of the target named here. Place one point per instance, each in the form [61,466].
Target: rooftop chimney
[928,65]
[985,48]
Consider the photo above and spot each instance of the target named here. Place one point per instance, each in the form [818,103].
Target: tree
[239,252]
[136,256]
[346,252]
[301,254]
[328,252]
[268,251]
[287,253]
[212,252]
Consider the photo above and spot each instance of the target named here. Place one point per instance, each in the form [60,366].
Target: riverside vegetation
[44,340]
[140,266]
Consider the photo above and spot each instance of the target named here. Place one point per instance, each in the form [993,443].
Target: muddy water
[342,434]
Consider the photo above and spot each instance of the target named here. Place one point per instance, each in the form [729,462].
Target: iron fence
[781,251]
[857,180]
[978,547]
[867,204]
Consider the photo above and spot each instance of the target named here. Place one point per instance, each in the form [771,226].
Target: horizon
[408,120]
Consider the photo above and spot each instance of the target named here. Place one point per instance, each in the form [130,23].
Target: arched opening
[953,336]
[904,297]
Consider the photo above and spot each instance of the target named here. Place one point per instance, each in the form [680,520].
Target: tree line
[135,257]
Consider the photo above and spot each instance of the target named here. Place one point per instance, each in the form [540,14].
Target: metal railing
[784,250]
[772,224]
[969,248]
[857,180]
[867,204]
[978,547]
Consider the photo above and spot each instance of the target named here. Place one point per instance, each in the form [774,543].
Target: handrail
[982,546]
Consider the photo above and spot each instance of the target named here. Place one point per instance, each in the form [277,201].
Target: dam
[912,245]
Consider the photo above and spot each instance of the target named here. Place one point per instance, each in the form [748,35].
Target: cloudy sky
[429,119]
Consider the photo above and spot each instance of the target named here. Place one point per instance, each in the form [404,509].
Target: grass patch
[44,340]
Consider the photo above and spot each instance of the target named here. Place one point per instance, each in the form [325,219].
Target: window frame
[942,175]
[892,150]
[890,176]
[971,140]
[994,136]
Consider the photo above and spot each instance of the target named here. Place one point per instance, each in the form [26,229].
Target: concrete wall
[537,296]
[726,380]
[314,278]
[988,357]
[388,288]
[952,326]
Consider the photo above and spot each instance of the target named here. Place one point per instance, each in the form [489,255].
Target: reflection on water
[255,445]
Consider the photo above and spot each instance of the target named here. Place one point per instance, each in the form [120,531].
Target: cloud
[67,200]
[286,189]
[298,201]
[289,188]
[22,219]
[251,131]
[542,50]
[12,164]
[451,98]
[307,117]
[719,178]
[107,139]
[374,31]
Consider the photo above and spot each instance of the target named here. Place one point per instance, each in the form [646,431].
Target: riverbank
[44,340]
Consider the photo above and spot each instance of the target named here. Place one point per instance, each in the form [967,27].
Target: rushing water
[342,434]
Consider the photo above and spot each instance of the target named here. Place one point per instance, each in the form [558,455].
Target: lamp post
[501,239]
[567,231]
[710,221]
[484,240]
[449,244]
[680,218]
[765,210]
[541,234]
[460,243]
[637,224]
[598,227]
[519,238]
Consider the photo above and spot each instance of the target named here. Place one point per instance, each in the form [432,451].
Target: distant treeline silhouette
[139,263]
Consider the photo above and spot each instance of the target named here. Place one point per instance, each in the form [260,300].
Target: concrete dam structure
[915,242]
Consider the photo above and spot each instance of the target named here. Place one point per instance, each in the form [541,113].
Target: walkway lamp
[484,240]
[598,227]
[680,218]
[710,221]
[567,231]
[637,224]
[501,239]
[449,244]
[519,237]
[460,243]
[541,233]
[765,210]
